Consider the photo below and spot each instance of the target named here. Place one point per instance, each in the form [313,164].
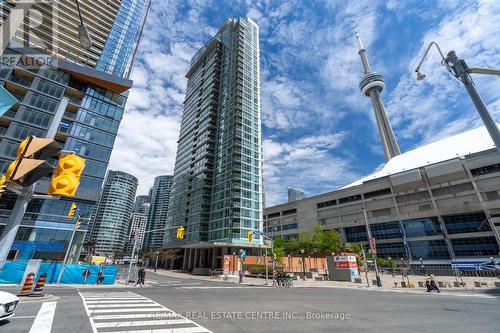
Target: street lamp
[234,262]
[422,266]
[156,262]
[302,251]
[459,69]
[392,265]
[83,33]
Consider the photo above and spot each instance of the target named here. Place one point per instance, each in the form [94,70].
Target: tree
[326,241]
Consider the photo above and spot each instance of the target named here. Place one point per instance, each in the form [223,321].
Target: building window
[290,226]
[429,249]
[326,204]
[475,247]
[422,227]
[386,230]
[466,223]
[356,234]
[377,193]
[393,250]
[485,170]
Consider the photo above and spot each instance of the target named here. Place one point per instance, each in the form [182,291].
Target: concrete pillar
[185,260]
[196,257]
[189,259]
[214,252]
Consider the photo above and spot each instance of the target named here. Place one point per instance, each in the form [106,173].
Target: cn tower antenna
[371,85]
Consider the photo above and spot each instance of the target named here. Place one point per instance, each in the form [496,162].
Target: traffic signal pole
[67,250]
[16,216]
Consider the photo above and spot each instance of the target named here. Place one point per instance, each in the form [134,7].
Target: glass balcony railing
[21,81]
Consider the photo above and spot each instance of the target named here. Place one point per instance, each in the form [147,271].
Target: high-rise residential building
[46,67]
[159,196]
[217,187]
[138,223]
[113,214]
[294,194]
[140,200]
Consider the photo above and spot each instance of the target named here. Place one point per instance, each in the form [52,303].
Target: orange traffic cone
[37,292]
[28,285]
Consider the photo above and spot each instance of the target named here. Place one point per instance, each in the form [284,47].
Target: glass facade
[159,196]
[422,227]
[356,234]
[393,250]
[113,214]
[385,230]
[217,187]
[124,37]
[475,247]
[457,224]
[89,125]
[429,249]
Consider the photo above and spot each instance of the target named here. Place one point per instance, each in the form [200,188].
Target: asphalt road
[186,305]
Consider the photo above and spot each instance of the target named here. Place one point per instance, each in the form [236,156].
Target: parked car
[8,303]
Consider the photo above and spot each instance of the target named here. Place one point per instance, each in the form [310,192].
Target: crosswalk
[170,283]
[121,312]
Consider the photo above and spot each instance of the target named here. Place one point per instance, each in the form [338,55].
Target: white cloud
[427,110]
[306,163]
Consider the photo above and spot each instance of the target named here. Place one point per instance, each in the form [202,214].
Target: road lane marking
[129,316]
[126,310]
[138,300]
[220,287]
[142,323]
[22,317]
[170,330]
[107,311]
[121,305]
[44,318]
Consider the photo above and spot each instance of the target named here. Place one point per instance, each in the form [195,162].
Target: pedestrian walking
[100,277]
[433,284]
[141,275]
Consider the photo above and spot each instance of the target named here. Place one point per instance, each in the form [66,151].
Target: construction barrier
[37,292]
[13,272]
[28,285]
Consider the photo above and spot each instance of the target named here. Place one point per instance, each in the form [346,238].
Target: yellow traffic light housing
[66,177]
[30,164]
[72,210]
[181,233]
[250,236]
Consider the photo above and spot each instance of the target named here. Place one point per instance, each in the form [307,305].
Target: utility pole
[131,258]
[365,265]
[373,250]
[16,216]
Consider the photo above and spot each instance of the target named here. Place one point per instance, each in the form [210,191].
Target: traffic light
[250,236]
[30,164]
[181,233]
[72,210]
[78,223]
[66,177]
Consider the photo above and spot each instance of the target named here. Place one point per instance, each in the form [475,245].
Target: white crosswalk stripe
[108,311]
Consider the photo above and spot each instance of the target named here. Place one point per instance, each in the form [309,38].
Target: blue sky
[319,131]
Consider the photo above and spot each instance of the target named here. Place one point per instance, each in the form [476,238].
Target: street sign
[6,101]
[243,254]
[373,245]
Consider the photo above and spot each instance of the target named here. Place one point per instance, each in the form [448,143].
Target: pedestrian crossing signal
[72,210]
[250,236]
[181,233]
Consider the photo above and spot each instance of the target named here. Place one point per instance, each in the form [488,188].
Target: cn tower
[372,85]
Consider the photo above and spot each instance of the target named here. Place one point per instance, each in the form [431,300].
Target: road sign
[243,254]
[373,245]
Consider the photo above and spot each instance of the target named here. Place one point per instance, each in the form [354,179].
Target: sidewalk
[387,282]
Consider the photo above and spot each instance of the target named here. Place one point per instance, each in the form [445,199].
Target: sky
[319,132]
